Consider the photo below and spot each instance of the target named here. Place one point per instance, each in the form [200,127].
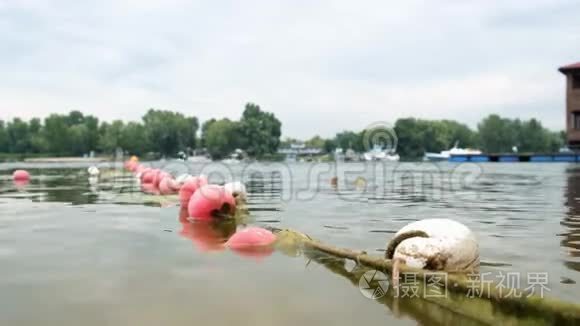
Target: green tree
[556,140]
[75,118]
[260,131]
[134,138]
[329,146]
[435,137]
[461,133]
[4,141]
[497,134]
[410,138]
[316,142]
[92,125]
[169,132]
[111,136]
[222,138]
[349,139]
[204,129]
[18,136]
[79,139]
[37,142]
[34,126]
[56,134]
[532,137]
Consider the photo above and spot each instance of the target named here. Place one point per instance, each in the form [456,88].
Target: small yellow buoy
[360,183]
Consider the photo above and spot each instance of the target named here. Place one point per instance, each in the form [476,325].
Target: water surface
[80,251]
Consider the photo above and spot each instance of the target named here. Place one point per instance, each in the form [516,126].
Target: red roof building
[572,73]
[571,67]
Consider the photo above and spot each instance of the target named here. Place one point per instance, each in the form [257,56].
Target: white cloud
[320,66]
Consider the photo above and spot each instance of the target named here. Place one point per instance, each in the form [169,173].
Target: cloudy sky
[320,66]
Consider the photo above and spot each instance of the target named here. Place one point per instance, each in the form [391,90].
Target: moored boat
[378,154]
[445,155]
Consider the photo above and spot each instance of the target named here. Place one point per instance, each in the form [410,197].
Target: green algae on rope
[489,306]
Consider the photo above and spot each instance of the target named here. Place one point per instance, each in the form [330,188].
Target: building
[572,73]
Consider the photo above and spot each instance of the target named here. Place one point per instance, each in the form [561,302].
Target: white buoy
[182,178]
[93,171]
[237,188]
[434,244]
[93,182]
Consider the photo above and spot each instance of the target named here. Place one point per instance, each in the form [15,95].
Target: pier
[516,157]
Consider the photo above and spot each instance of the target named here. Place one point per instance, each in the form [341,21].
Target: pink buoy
[149,176]
[174,185]
[256,254]
[202,236]
[211,201]
[205,235]
[189,187]
[160,176]
[131,165]
[142,172]
[168,186]
[149,188]
[21,175]
[251,238]
[139,169]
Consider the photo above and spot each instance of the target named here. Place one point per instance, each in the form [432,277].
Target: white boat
[445,155]
[378,154]
[231,161]
[565,149]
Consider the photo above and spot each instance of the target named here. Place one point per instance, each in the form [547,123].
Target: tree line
[257,132]
[160,132]
[494,134]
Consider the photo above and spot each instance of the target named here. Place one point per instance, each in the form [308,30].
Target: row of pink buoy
[208,236]
[207,202]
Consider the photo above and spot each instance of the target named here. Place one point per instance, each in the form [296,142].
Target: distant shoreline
[51,158]
[66,160]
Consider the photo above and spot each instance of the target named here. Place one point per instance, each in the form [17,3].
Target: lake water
[80,252]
